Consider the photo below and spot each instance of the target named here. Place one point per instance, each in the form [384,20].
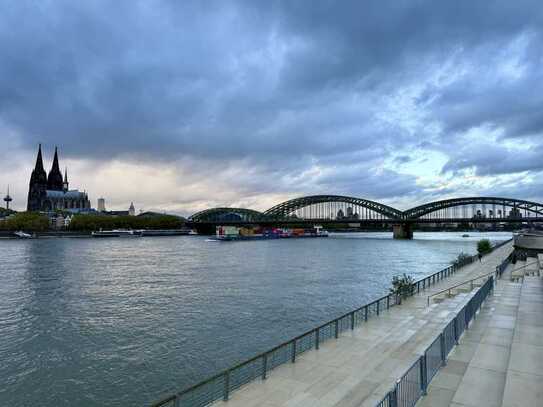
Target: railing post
[264,366]
[393,397]
[455,323]
[293,359]
[226,385]
[336,334]
[317,338]
[366,313]
[442,346]
[352,320]
[423,378]
[388,301]
[378,307]
[418,287]
[176,401]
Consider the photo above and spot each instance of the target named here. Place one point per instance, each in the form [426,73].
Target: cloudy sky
[181,105]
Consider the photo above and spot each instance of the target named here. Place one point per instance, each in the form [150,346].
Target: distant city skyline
[184,107]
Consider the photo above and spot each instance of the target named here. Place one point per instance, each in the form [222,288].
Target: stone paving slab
[361,366]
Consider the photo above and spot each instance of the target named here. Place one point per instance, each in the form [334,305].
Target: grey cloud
[494,160]
[279,87]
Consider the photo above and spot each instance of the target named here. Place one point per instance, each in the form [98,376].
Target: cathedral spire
[65,184]
[38,185]
[55,161]
[54,180]
[39,161]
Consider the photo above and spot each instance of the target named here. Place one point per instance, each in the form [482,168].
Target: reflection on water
[94,322]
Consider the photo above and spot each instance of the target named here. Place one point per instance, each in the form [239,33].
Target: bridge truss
[226,215]
[476,207]
[332,207]
[337,208]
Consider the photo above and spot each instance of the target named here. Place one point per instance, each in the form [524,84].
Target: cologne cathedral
[51,192]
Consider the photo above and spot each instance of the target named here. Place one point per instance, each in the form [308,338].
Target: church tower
[38,185]
[65,184]
[54,180]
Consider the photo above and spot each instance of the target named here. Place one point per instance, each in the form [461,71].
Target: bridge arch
[226,215]
[326,204]
[519,207]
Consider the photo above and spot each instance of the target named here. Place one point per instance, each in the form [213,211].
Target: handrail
[459,285]
[375,306]
[526,265]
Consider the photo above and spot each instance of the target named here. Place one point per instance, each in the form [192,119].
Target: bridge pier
[402,231]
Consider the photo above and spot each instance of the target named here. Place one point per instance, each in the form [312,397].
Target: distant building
[101,205]
[50,193]
[132,210]
[7,200]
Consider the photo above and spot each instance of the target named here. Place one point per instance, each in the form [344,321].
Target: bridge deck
[361,366]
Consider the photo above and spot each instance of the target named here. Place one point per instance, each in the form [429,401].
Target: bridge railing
[221,385]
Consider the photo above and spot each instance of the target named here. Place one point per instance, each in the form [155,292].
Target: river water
[123,322]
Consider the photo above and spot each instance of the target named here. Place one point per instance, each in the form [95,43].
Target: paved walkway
[499,361]
[360,367]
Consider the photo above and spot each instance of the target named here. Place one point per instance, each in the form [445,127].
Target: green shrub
[484,246]
[402,286]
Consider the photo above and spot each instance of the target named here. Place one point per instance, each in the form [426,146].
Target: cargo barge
[233,233]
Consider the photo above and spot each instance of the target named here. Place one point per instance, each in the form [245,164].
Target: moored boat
[22,235]
[117,233]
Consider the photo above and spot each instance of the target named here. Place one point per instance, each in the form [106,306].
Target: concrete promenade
[361,366]
[499,362]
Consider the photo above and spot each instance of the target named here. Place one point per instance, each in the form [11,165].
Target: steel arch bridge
[226,215]
[324,206]
[345,208]
[442,209]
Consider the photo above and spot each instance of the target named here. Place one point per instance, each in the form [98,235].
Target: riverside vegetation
[37,222]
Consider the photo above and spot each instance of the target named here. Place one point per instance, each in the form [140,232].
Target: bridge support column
[402,231]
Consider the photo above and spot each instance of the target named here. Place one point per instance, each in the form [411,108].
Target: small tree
[402,286]
[484,246]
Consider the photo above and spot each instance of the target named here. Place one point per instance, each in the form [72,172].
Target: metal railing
[414,383]
[221,385]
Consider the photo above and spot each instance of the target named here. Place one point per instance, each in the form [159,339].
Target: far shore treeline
[97,222]
[37,222]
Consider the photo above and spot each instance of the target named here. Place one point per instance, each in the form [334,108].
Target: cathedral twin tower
[50,192]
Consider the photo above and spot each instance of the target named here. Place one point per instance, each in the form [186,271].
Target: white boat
[22,235]
[167,232]
[117,233]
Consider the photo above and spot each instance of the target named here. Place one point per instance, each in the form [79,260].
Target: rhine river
[124,322]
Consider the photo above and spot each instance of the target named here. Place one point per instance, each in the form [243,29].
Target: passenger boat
[117,233]
[22,235]
[172,232]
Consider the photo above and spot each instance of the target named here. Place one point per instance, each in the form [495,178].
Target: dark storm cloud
[265,83]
